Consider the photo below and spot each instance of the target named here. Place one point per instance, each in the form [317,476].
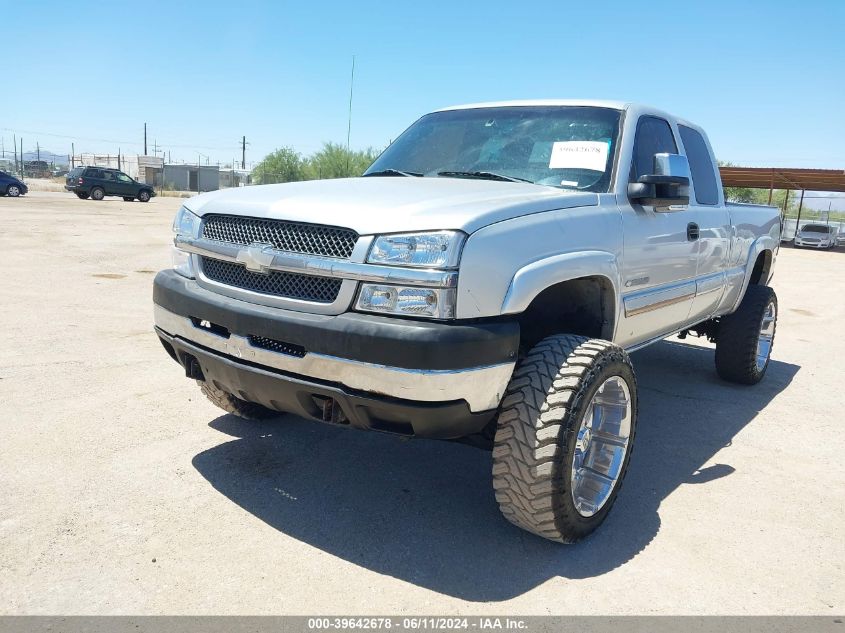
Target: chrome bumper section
[481,387]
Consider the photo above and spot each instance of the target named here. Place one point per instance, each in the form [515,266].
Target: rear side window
[701,166]
[94,173]
[654,136]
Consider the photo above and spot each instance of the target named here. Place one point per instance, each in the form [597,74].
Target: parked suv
[98,182]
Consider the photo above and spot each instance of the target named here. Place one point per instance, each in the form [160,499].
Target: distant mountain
[47,156]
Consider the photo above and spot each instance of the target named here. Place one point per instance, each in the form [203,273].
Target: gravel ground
[123,491]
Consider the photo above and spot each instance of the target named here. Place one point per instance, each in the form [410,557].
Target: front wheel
[564,436]
[144,196]
[97,193]
[13,191]
[745,339]
[230,403]
[128,199]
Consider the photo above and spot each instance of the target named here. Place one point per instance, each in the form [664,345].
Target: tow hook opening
[330,410]
[192,366]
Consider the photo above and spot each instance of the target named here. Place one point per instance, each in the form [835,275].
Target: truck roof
[596,103]
[633,108]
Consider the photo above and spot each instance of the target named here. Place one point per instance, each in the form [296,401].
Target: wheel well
[760,272]
[582,306]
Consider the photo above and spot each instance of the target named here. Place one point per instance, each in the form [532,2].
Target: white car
[816,236]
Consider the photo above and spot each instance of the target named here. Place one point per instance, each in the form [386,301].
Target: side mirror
[668,186]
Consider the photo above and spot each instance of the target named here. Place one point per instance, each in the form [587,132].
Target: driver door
[125,185]
[660,254]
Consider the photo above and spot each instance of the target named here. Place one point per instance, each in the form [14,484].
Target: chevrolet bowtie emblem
[255,258]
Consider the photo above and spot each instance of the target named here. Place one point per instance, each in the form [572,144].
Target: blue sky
[765,79]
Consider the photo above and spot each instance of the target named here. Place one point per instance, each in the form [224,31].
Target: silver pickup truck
[484,280]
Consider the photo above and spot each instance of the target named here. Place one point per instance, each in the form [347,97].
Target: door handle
[692,232]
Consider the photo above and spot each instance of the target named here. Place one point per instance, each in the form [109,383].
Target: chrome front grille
[296,237]
[275,283]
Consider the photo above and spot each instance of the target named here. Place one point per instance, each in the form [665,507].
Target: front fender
[532,279]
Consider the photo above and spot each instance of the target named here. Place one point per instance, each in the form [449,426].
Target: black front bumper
[392,342]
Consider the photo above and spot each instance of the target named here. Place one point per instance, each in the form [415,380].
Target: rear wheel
[128,199]
[97,193]
[564,436]
[13,191]
[745,340]
[144,196]
[234,405]
[82,196]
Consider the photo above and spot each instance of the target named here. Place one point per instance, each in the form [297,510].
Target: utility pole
[72,156]
[145,139]
[243,153]
[349,124]
[23,164]
[15,145]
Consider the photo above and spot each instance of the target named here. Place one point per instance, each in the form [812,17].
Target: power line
[106,140]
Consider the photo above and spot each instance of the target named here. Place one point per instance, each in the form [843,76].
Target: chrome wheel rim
[767,335]
[601,446]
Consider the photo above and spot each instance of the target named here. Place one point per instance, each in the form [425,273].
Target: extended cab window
[701,166]
[654,136]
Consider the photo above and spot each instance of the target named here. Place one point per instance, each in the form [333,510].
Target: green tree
[283,165]
[334,161]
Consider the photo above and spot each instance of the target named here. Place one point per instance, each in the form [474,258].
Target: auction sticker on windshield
[579,155]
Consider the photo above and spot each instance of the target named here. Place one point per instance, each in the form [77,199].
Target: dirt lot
[123,491]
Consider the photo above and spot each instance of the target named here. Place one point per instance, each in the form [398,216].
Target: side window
[108,175]
[701,166]
[654,136]
[123,177]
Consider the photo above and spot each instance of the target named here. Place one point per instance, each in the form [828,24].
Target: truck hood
[391,204]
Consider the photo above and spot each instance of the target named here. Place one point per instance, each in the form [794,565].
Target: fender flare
[532,279]
[758,246]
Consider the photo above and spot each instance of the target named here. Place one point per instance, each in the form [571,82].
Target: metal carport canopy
[784,178]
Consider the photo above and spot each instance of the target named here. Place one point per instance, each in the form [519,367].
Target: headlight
[185,224]
[436,249]
[434,303]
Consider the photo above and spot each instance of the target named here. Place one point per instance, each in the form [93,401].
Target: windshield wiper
[393,172]
[483,175]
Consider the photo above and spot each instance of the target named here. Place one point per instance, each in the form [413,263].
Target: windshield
[562,146]
[815,228]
